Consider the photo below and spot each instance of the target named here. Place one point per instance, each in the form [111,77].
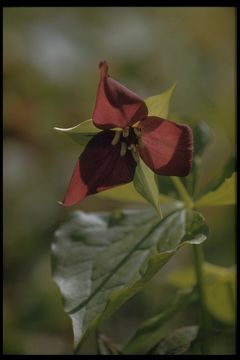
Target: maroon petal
[167,147]
[99,168]
[116,106]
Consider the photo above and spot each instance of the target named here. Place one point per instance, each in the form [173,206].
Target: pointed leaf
[81,133]
[86,128]
[225,194]
[178,342]
[100,260]
[158,105]
[149,333]
[220,288]
[145,183]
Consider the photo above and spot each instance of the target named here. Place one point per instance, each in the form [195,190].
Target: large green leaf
[158,105]
[145,184]
[81,133]
[225,194]
[100,260]
[178,342]
[220,288]
[149,333]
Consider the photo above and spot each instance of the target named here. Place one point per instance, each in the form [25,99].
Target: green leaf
[150,331]
[178,342]
[158,105]
[100,260]
[225,194]
[145,184]
[220,289]
[106,346]
[228,170]
[202,136]
[81,133]
[128,193]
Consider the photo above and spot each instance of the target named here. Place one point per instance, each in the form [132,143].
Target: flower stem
[198,263]
[182,191]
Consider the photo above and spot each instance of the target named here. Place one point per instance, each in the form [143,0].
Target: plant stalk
[198,263]
[182,191]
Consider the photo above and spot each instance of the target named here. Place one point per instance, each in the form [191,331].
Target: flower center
[130,139]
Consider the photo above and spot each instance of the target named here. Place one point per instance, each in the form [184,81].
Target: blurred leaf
[225,194]
[128,193]
[106,346]
[158,105]
[228,170]
[220,289]
[178,342]
[99,263]
[167,187]
[81,133]
[202,136]
[145,183]
[150,331]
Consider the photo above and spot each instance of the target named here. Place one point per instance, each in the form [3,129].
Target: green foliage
[220,288]
[158,105]
[202,135]
[178,342]
[106,346]
[145,184]
[228,170]
[128,193]
[81,133]
[99,262]
[149,333]
[225,194]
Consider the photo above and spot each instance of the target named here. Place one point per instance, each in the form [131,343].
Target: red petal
[99,168]
[116,106]
[168,146]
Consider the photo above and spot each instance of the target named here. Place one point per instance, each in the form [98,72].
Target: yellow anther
[116,137]
[137,132]
[123,150]
[134,153]
[125,132]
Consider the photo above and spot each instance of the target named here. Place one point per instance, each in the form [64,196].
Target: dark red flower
[109,158]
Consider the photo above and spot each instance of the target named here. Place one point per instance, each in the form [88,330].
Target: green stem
[182,191]
[198,263]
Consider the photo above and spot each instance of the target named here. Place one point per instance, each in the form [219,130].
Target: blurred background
[51,58]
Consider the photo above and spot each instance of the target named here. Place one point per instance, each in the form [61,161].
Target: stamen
[134,152]
[123,150]
[137,132]
[116,138]
[125,132]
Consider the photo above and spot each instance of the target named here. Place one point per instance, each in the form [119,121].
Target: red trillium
[110,157]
